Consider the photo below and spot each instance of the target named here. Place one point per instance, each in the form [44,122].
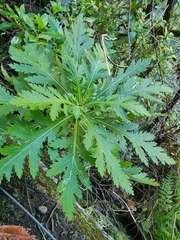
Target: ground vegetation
[96,86]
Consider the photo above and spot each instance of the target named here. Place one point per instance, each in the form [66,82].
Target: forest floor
[26,192]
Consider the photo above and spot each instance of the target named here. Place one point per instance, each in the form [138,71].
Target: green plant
[166,215]
[32,27]
[66,99]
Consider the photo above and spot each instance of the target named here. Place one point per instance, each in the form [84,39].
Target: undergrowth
[166,215]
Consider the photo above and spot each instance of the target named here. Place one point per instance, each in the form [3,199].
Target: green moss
[87,226]
[94,224]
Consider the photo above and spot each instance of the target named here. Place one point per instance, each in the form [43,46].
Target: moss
[87,226]
[47,185]
[94,224]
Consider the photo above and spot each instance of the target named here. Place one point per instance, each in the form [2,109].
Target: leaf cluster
[67,101]
[31,27]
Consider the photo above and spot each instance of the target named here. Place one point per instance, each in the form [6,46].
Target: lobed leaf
[103,151]
[80,39]
[136,174]
[30,145]
[144,88]
[122,76]
[143,144]
[5,95]
[41,98]
[74,171]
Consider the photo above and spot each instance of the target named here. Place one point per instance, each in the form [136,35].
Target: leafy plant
[68,101]
[166,216]
[32,27]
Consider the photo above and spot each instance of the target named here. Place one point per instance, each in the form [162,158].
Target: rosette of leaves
[66,100]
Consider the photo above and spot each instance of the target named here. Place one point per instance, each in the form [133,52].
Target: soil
[26,192]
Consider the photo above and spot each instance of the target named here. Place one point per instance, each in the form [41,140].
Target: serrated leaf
[88,139]
[3,131]
[142,178]
[74,172]
[5,106]
[143,144]
[61,143]
[122,76]
[30,146]
[40,99]
[36,60]
[79,113]
[136,174]
[113,167]
[128,105]
[133,69]
[69,185]
[105,159]
[97,68]
[5,95]
[145,88]
[80,39]
[100,160]
[69,188]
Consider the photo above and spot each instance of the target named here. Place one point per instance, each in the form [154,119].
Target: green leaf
[36,60]
[3,131]
[19,153]
[133,69]
[103,150]
[41,98]
[20,10]
[29,140]
[80,39]
[142,178]
[74,172]
[66,101]
[144,88]
[31,55]
[55,24]
[10,12]
[121,77]
[29,22]
[124,102]
[143,144]
[136,174]
[5,95]
[97,67]
[5,106]
[42,21]
[88,139]
[69,186]
[7,25]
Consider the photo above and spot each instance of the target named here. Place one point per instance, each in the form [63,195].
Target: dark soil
[26,192]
